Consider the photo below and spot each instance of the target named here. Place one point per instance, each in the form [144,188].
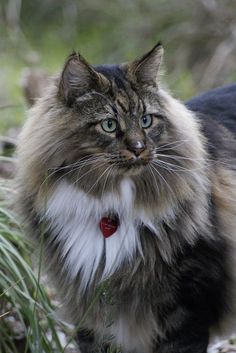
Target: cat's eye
[109,125]
[146,121]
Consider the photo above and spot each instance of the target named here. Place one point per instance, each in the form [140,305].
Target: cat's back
[216,110]
[218,104]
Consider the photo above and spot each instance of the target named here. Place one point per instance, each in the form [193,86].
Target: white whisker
[171,145]
[170,166]
[151,171]
[76,166]
[106,179]
[168,186]
[89,171]
[99,178]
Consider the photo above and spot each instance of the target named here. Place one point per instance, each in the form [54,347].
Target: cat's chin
[133,168]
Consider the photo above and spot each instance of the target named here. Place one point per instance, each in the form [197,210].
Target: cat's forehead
[114,73]
[123,98]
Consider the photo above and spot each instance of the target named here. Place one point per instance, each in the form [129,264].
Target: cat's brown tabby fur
[109,142]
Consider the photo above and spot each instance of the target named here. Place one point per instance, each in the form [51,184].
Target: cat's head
[116,109]
[99,124]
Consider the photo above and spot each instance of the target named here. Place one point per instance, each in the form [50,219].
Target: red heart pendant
[108,226]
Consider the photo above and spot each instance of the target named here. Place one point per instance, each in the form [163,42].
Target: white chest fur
[74,220]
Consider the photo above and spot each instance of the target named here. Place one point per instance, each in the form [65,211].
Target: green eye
[146,121]
[109,125]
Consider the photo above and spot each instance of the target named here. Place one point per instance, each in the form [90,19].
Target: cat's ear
[78,78]
[145,70]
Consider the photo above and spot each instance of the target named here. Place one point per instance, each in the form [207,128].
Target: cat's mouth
[132,165]
[136,162]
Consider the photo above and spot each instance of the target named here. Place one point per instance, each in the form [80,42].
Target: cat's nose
[137,147]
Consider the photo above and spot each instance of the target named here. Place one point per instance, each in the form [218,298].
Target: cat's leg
[184,340]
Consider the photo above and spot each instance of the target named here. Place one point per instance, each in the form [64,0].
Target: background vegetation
[199,37]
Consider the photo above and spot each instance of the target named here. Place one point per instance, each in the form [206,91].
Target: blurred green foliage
[198,36]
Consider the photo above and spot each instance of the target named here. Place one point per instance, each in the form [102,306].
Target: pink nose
[137,147]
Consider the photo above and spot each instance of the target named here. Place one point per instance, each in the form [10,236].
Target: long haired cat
[133,198]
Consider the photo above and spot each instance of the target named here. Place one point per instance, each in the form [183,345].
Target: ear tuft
[79,77]
[145,70]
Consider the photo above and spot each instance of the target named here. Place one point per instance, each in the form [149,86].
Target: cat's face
[124,124]
[117,116]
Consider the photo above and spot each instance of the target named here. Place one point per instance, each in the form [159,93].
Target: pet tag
[108,226]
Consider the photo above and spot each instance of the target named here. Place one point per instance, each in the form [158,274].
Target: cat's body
[219,104]
[110,143]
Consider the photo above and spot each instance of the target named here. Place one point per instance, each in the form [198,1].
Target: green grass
[26,312]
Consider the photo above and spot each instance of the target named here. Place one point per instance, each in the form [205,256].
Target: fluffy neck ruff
[73,219]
